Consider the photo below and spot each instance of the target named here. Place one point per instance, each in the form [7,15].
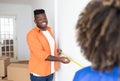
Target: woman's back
[89,74]
[98,35]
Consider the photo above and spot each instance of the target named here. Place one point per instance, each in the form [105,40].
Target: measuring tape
[71,59]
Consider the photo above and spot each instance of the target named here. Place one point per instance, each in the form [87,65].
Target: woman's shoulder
[89,74]
[86,70]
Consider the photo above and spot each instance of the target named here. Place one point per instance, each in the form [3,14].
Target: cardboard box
[18,72]
[1,78]
[5,80]
[4,62]
[22,62]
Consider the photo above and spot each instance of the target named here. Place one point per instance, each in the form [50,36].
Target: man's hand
[64,60]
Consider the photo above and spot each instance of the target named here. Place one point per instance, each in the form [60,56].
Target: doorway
[8,37]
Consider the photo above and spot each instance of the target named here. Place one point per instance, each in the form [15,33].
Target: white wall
[23,25]
[67,13]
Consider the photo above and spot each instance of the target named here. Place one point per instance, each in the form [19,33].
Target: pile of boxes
[17,71]
[4,62]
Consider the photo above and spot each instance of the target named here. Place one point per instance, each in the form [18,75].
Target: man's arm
[58,59]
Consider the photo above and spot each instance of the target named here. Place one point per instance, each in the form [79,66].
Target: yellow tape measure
[71,59]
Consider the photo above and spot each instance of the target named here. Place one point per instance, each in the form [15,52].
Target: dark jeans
[41,78]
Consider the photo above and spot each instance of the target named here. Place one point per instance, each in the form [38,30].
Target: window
[7,24]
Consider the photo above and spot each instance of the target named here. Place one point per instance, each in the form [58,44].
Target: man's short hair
[39,11]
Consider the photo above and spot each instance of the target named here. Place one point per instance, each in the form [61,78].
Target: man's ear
[35,21]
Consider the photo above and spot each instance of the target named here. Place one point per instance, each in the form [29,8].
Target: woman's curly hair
[98,33]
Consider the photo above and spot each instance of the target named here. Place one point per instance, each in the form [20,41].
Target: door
[8,37]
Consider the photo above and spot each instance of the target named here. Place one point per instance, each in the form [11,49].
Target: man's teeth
[43,23]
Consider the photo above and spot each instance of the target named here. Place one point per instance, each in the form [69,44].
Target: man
[43,51]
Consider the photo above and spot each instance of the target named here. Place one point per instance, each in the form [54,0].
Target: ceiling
[15,1]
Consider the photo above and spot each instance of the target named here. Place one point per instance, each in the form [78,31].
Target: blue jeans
[41,78]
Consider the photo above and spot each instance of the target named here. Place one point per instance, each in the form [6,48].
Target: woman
[98,34]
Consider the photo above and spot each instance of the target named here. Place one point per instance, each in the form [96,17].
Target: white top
[52,44]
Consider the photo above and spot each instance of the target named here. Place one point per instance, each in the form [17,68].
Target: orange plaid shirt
[39,51]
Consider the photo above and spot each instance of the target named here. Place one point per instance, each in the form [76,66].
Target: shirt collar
[39,30]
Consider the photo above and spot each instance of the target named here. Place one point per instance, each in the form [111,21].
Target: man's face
[41,21]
